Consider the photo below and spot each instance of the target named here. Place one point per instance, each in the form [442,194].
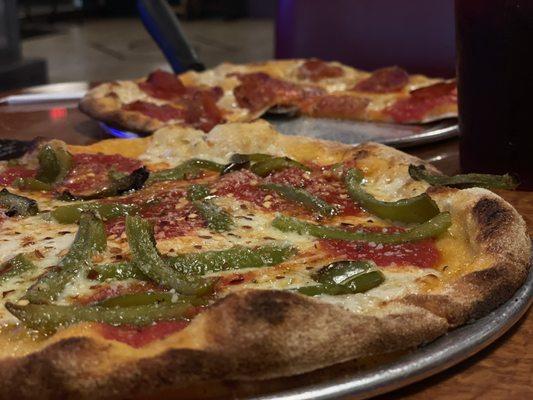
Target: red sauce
[163,85]
[259,90]
[10,174]
[195,106]
[170,217]
[162,113]
[422,254]
[422,101]
[244,185]
[316,70]
[89,172]
[334,106]
[141,336]
[384,80]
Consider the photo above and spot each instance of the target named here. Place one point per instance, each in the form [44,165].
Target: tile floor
[98,50]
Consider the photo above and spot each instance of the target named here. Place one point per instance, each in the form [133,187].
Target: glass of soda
[495,83]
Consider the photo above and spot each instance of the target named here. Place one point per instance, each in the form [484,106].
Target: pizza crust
[261,334]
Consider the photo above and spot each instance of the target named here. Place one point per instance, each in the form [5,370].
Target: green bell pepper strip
[304,198]
[148,260]
[217,219]
[358,284]
[344,277]
[197,192]
[119,183]
[184,170]
[54,164]
[415,209]
[90,239]
[117,271]
[266,167]
[487,181]
[146,298]
[237,257]
[32,184]
[47,318]
[15,267]
[17,205]
[432,228]
[71,214]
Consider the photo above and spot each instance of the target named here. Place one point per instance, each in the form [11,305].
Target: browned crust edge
[264,334]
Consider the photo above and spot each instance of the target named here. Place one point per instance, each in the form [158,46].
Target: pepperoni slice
[384,80]
[259,90]
[315,70]
[334,106]
[89,171]
[141,336]
[422,101]
[202,111]
[161,112]
[163,85]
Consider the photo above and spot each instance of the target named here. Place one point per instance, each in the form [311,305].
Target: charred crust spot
[267,306]
[360,154]
[491,217]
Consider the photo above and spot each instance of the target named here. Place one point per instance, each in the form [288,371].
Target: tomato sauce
[316,70]
[422,254]
[141,336]
[10,174]
[90,171]
[422,101]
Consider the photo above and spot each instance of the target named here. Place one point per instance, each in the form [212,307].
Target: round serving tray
[350,132]
[444,352]
[356,380]
[353,132]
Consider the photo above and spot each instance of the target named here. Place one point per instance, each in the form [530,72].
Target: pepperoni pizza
[135,266]
[242,93]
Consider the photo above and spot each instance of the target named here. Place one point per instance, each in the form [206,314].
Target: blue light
[117,132]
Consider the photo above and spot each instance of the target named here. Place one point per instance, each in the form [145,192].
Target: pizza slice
[243,93]
[133,266]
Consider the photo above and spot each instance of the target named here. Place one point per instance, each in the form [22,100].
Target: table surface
[502,370]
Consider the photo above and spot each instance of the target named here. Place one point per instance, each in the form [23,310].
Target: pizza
[140,265]
[243,93]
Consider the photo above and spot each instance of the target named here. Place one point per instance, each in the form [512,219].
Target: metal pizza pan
[350,379]
[352,132]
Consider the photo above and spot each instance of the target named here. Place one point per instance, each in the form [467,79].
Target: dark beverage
[495,82]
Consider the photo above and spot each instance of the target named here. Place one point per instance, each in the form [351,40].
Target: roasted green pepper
[266,167]
[117,271]
[54,164]
[189,168]
[237,257]
[15,267]
[217,219]
[145,298]
[344,277]
[416,209]
[17,205]
[71,214]
[148,260]
[90,239]
[32,184]
[432,228]
[488,181]
[304,198]
[119,183]
[47,318]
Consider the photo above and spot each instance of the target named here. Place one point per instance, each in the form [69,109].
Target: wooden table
[504,370]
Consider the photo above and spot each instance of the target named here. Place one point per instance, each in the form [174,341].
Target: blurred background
[95,40]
